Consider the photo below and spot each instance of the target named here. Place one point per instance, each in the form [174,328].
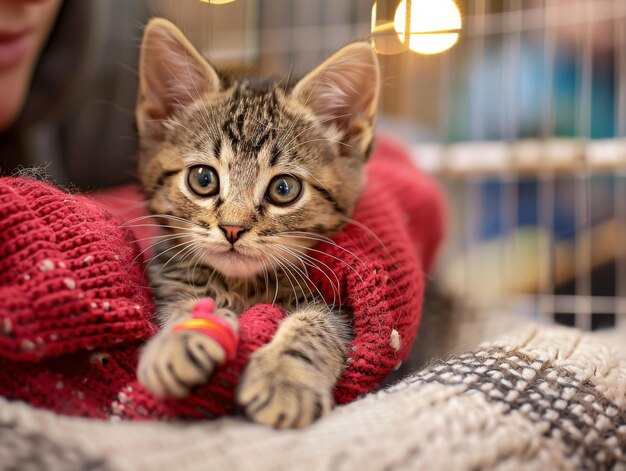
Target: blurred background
[518,107]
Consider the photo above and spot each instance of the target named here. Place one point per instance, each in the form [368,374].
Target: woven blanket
[539,398]
[75,307]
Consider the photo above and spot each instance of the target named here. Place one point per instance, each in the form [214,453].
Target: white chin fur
[236,266]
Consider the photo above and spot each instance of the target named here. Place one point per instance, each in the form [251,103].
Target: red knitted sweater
[75,307]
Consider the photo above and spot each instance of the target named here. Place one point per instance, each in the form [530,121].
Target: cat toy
[205,321]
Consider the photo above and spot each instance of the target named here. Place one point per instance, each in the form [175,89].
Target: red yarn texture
[75,307]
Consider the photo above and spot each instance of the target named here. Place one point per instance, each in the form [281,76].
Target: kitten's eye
[203,180]
[284,189]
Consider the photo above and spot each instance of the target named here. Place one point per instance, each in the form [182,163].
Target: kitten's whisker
[306,103]
[366,229]
[272,264]
[127,207]
[302,169]
[300,144]
[311,126]
[312,263]
[191,114]
[290,274]
[262,124]
[162,216]
[336,288]
[164,236]
[194,158]
[169,121]
[137,219]
[188,225]
[151,246]
[304,273]
[255,284]
[265,275]
[333,257]
[327,254]
[207,117]
[187,91]
[199,264]
[306,260]
[284,270]
[175,218]
[192,245]
[296,117]
[159,254]
[192,252]
[276,281]
[375,237]
[163,226]
[192,273]
[287,77]
[319,238]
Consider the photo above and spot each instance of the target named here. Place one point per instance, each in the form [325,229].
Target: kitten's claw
[282,391]
[174,362]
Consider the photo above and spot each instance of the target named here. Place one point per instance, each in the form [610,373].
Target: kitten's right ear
[172,73]
[343,91]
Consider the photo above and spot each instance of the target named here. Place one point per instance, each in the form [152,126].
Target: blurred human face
[24,28]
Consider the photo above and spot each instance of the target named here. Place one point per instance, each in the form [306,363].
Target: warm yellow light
[434,25]
[217,2]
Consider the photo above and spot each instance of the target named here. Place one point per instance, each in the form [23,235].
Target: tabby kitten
[245,179]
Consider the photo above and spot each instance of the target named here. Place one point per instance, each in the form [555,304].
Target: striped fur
[320,131]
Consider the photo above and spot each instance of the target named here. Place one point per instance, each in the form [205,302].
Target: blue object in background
[480,89]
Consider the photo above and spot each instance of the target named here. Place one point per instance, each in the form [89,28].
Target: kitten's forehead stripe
[239,122]
[230,132]
[217,148]
[275,156]
[250,123]
[271,133]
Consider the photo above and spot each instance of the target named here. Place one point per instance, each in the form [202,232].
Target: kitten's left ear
[343,91]
[172,73]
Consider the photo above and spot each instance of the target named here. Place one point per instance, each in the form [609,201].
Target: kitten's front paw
[174,362]
[283,391]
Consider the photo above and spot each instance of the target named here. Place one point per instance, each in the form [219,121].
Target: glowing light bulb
[433,27]
[217,2]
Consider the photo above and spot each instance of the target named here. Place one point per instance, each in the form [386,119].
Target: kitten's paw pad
[173,363]
[283,394]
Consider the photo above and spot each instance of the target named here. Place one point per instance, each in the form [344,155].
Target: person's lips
[14,46]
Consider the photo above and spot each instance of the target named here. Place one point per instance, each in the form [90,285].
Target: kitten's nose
[232,233]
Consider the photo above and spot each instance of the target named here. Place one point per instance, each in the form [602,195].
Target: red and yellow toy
[204,320]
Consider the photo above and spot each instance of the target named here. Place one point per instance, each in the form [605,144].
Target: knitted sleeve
[69,279]
[75,307]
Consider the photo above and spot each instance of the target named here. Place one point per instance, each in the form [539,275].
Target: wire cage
[531,147]
[523,121]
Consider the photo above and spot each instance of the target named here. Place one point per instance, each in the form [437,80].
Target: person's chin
[13,86]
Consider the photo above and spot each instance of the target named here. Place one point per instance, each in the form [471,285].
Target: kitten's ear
[343,91]
[172,73]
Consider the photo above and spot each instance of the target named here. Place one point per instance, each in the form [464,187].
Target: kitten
[245,179]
